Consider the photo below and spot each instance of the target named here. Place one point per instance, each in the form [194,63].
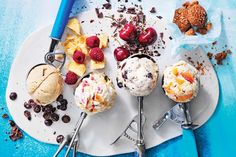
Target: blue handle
[61,19]
[189,146]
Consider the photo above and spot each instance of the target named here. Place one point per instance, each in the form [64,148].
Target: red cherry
[92,41]
[128,32]
[148,37]
[96,54]
[79,57]
[121,53]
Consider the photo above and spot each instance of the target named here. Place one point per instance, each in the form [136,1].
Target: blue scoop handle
[61,19]
[189,146]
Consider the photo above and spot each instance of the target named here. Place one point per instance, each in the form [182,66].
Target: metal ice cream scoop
[180,115]
[73,138]
[138,120]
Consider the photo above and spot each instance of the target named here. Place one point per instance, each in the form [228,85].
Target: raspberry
[92,41]
[71,78]
[96,54]
[79,57]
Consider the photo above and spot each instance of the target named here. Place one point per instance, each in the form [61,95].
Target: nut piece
[180,19]
[202,31]
[197,15]
[190,32]
[209,26]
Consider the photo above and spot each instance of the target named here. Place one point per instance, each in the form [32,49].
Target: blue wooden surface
[18,18]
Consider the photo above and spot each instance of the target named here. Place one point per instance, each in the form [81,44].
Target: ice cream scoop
[95,93]
[44,83]
[138,74]
[180,83]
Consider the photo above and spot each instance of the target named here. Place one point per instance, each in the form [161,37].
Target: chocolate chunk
[37,108]
[149,75]
[170,38]
[121,9]
[48,122]
[60,138]
[153,10]
[27,105]
[12,123]
[107,5]
[66,119]
[27,114]
[13,96]
[4,116]
[159,17]
[131,10]
[99,14]
[54,117]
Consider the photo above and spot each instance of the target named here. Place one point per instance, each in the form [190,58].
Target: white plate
[100,130]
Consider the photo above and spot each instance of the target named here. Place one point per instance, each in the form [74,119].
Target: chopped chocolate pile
[15,131]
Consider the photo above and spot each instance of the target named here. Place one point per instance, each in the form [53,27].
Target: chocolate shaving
[15,131]
[99,14]
[153,10]
[107,5]
[131,10]
[121,9]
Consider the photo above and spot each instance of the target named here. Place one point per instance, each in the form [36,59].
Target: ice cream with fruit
[95,93]
[44,84]
[181,82]
[138,74]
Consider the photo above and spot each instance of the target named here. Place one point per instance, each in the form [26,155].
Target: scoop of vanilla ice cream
[138,75]
[181,82]
[95,93]
[44,84]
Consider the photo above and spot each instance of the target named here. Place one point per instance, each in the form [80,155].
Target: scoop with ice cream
[95,93]
[180,83]
[138,74]
[44,83]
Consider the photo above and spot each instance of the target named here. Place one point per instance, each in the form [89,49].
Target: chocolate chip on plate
[64,102]
[63,107]
[60,138]
[48,122]
[54,117]
[13,96]
[65,118]
[60,97]
[27,114]
[37,108]
[46,115]
[48,108]
[27,105]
